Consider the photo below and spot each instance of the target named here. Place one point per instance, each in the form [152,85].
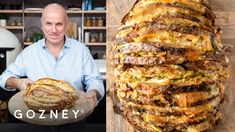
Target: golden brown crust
[50,94]
[203,122]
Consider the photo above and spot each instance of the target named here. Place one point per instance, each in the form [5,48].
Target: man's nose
[53,29]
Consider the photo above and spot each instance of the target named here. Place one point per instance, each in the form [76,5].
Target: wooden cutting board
[82,109]
[225,12]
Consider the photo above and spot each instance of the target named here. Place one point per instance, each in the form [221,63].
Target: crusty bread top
[50,94]
[63,85]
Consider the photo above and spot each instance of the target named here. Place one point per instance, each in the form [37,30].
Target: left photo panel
[53,65]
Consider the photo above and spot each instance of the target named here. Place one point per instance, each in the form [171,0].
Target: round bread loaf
[50,94]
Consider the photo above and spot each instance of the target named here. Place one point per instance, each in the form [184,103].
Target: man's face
[54,26]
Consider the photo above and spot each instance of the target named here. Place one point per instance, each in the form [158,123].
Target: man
[55,56]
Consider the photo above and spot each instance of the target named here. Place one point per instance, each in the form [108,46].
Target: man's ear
[66,21]
[41,22]
[66,25]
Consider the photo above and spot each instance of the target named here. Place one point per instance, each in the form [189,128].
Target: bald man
[56,56]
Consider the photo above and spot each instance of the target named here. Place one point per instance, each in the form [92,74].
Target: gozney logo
[64,114]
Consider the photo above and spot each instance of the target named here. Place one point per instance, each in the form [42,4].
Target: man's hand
[93,94]
[20,84]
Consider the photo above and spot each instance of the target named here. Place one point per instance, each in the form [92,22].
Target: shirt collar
[67,44]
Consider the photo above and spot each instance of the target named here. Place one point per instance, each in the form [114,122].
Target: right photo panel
[170,66]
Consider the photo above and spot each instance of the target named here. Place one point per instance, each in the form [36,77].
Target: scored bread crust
[50,94]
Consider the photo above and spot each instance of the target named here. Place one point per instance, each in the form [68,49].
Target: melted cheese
[186,99]
[177,21]
[178,40]
[191,3]
[148,13]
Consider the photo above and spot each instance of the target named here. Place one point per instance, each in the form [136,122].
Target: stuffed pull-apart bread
[170,68]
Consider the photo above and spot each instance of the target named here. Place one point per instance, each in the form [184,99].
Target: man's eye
[48,24]
[59,25]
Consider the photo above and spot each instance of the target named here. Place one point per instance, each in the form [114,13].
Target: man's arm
[92,79]
[9,80]
[20,84]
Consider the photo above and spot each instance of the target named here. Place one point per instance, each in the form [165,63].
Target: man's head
[54,21]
